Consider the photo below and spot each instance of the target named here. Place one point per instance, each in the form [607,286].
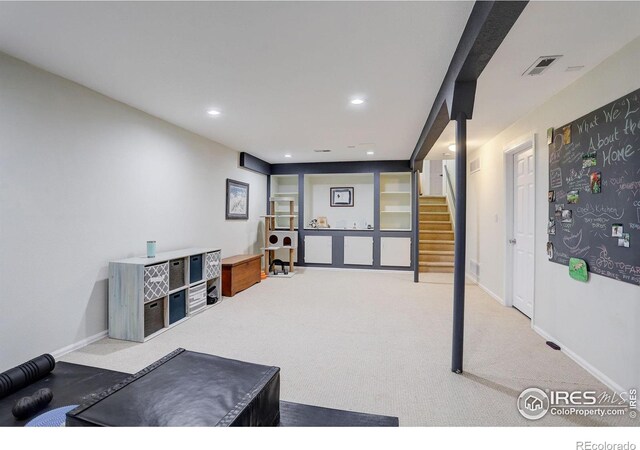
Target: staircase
[436,235]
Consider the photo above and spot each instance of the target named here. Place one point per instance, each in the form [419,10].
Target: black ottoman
[188,389]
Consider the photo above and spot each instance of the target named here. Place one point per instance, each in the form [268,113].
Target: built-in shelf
[395,201]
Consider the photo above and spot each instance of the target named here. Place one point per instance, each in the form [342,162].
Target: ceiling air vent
[322,150]
[541,65]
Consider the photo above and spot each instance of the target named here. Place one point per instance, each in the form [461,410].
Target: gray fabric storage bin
[153,316]
[176,273]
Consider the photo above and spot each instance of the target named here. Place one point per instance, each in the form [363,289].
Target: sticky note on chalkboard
[578,269]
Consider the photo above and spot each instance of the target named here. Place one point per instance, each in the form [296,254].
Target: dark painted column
[460,243]
[415,215]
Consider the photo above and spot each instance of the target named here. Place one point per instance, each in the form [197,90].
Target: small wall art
[237,204]
[595,182]
[578,269]
[550,250]
[558,210]
[624,240]
[589,160]
[551,226]
[341,196]
[616,230]
[552,196]
[566,135]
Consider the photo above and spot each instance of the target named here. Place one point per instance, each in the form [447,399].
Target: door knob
[512,241]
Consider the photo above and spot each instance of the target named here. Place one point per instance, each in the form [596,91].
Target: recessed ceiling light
[357,101]
[213,112]
[288,155]
[369,152]
[452,147]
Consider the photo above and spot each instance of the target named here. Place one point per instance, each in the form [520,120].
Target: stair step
[430,225]
[434,207]
[432,200]
[435,269]
[436,264]
[436,252]
[435,246]
[439,267]
[436,258]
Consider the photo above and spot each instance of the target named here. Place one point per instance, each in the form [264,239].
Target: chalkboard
[594,190]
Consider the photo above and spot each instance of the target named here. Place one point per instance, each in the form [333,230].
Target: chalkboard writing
[594,173]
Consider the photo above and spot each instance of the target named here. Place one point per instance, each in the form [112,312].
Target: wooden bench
[239,272]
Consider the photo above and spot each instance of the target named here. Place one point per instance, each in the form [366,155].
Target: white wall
[597,323]
[84,180]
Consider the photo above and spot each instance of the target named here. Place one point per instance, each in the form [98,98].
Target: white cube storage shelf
[136,284]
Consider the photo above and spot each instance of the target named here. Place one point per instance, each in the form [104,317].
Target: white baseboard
[581,362]
[492,294]
[75,346]
[301,268]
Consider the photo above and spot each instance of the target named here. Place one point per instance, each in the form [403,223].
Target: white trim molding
[581,362]
[525,142]
[77,345]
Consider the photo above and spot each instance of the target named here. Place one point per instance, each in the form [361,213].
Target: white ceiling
[586,33]
[282,74]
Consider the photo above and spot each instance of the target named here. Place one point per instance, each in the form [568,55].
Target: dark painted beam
[487,26]
[341,167]
[250,162]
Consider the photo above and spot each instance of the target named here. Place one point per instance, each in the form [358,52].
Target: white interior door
[523,224]
[435,178]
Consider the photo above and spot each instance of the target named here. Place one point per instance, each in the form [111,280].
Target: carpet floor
[374,342]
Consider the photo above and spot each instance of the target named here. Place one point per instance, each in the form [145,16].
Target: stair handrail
[450,194]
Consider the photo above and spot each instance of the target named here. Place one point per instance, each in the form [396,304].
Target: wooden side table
[239,273]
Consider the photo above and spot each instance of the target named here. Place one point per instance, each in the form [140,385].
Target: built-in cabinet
[375,232]
[285,186]
[395,251]
[150,295]
[318,249]
[358,250]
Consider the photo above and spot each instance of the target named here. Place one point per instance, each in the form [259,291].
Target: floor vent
[474,268]
[474,165]
[541,65]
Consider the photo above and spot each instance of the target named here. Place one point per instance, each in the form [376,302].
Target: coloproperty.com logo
[535,403]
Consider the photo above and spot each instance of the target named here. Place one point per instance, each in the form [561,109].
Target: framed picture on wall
[341,196]
[237,200]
